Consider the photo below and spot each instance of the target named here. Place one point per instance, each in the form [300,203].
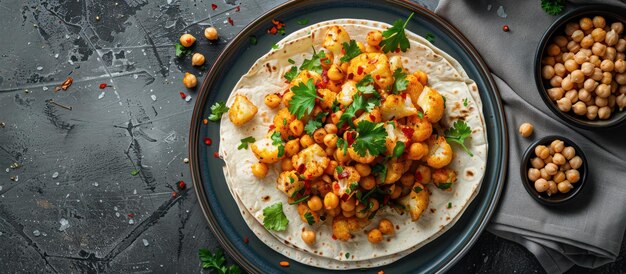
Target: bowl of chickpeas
[580,67]
[553,170]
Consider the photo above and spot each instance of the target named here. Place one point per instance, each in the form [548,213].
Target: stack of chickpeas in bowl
[555,168]
[586,68]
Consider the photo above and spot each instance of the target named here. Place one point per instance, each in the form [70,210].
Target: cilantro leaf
[217,110]
[420,114]
[339,169]
[181,50]
[315,63]
[449,204]
[457,134]
[395,37]
[430,37]
[444,186]
[303,21]
[398,150]
[343,145]
[275,46]
[274,218]
[335,107]
[292,73]
[216,261]
[303,101]
[365,86]
[245,142]
[352,50]
[347,255]
[277,140]
[371,138]
[134,172]
[253,40]
[465,102]
[358,103]
[309,218]
[400,82]
[417,189]
[380,170]
[352,187]
[553,7]
[313,124]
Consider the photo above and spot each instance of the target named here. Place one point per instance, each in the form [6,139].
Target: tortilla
[266,76]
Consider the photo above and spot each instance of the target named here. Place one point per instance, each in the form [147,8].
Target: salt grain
[131,221]
[187,98]
[145,242]
[36,233]
[40,68]
[55,174]
[64,224]
[153,97]
[101,95]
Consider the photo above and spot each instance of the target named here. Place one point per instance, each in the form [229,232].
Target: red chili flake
[213,6]
[246,240]
[505,28]
[343,175]
[182,95]
[208,141]
[336,186]
[397,50]
[238,8]
[350,76]
[307,187]
[418,176]
[377,77]
[189,40]
[319,84]
[181,185]
[372,117]
[174,194]
[359,71]
[403,95]
[343,51]
[103,86]
[350,137]
[272,126]
[301,168]
[272,30]
[345,197]
[408,132]
[205,121]
[279,24]
[230,21]
[334,237]
[216,154]
[131,215]
[65,85]
[385,199]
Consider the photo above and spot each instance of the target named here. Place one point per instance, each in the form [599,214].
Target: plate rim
[200,103]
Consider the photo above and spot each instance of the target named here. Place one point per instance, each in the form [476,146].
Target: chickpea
[259,170]
[557,145]
[556,81]
[549,159]
[621,45]
[621,101]
[603,90]
[573,47]
[375,204]
[526,129]
[576,162]
[612,100]
[544,174]
[587,69]
[552,189]
[585,23]
[407,180]
[534,174]
[580,108]
[599,22]
[331,201]
[598,35]
[573,175]
[315,203]
[586,52]
[397,191]
[620,66]
[330,128]
[186,40]
[360,211]
[586,42]
[564,104]
[386,227]
[621,78]
[577,76]
[547,72]
[330,140]
[296,127]
[541,185]
[537,162]
[548,60]
[553,50]
[375,236]
[567,83]
[571,27]
[601,102]
[559,69]
[584,95]
[604,112]
[559,177]
[578,35]
[197,59]
[308,236]
[335,73]
[597,74]
[348,205]
[580,57]
[595,60]
[611,38]
[211,33]
[565,167]
[318,135]
[542,152]
[363,169]
[287,98]
[618,27]
[417,151]
[572,95]
[598,49]
[190,80]
[565,186]
[592,112]
[551,169]
[558,159]
[560,40]
[571,65]
[330,151]
[607,65]
[272,100]
[306,141]
[286,165]
[367,182]
[374,38]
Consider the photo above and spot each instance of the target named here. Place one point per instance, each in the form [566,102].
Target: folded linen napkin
[589,231]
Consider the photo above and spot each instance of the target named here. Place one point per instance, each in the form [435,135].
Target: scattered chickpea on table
[526,129]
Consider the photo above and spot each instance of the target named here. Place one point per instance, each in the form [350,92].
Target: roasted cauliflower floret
[414,88]
[396,107]
[444,178]
[373,116]
[395,62]
[416,201]
[375,64]
[304,76]
[440,154]
[346,95]
[242,110]
[334,38]
[328,97]
[265,151]
[282,120]
[432,104]
[348,176]
[395,169]
[394,135]
[314,160]
[422,128]
[288,183]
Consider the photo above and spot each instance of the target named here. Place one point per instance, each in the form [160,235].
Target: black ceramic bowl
[611,14]
[558,198]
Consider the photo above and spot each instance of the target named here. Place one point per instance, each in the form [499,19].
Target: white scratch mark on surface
[501,12]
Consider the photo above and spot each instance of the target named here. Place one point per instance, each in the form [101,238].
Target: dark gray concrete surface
[74,205]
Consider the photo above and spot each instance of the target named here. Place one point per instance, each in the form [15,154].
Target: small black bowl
[558,198]
[611,14]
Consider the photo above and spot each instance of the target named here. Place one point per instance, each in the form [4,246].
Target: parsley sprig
[217,110]
[292,73]
[181,50]
[400,83]
[371,137]
[303,101]
[352,50]
[395,37]
[457,134]
[217,261]
[274,218]
[313,124]
[553,7]
[315,63]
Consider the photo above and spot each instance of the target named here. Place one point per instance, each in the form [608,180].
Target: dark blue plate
[219,206]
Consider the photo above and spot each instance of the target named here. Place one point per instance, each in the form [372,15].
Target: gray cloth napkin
[589,231]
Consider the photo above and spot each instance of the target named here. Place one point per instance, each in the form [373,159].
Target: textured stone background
[76,165]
